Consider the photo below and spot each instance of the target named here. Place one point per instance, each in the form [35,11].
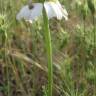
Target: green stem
[48,46]
[93,17]
[94,30]
[5,60]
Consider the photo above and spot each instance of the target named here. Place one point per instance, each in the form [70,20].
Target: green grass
[28,51]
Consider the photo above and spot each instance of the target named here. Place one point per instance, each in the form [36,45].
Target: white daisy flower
[53,9]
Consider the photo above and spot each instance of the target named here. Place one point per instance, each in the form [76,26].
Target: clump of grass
[23,61]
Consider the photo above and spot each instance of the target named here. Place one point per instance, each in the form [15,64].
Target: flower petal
[54,9]
[49,10]
[24,13]
[30,14]
[64,11]
[36,11]
[57,10]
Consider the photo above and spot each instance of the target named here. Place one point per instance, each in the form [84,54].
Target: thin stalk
[5,60]
[93,17]
[94,30]
[84,30]
[48,46]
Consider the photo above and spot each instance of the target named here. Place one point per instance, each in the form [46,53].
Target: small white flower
[53,9]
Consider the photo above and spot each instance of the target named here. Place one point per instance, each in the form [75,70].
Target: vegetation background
[23,64]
